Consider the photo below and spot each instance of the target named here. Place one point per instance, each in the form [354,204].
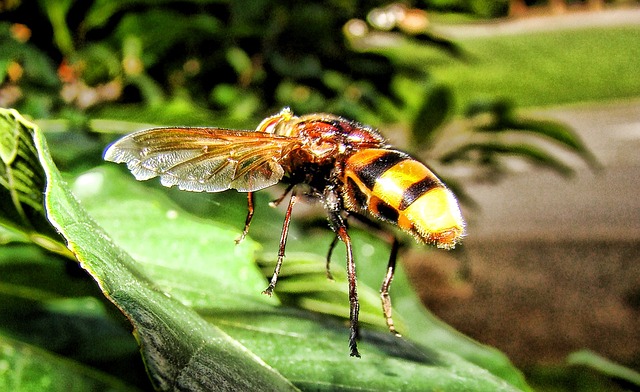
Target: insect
[345,165]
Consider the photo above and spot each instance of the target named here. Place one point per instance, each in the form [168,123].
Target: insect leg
[247,221]
[283,243]
[333,205]
[354,305]
[331,247]
[384,290]
[386,283]
[276,202]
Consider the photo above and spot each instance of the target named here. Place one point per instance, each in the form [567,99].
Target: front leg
[247,221]
[333,205]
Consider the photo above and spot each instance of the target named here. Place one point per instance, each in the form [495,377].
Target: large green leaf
[53,316]
[181,349]
[308,350]
[28,368]
[194,300]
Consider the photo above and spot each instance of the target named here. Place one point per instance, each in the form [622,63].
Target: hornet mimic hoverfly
[347,166]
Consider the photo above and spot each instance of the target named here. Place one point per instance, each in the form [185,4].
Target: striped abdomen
[394,187]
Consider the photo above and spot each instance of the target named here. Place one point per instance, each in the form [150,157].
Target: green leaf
[304,284]
[19,177]
[504,119]
[239,60]
[27,368]
[48,302]
[57,13]
[156,43]
[435,109]
[603,365]
[21,183]
[28,273]
[490,149]
[559,133]
[204,255]
[194,300]
[181,349]
[39,70]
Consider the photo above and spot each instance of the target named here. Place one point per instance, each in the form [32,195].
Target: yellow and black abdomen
[396,188]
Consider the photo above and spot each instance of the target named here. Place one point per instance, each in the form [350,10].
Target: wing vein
[204,159]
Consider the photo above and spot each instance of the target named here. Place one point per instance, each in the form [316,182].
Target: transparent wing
[203,159]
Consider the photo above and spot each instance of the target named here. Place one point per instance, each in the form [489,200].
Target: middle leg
[384,289]
[333,206]
[283,243]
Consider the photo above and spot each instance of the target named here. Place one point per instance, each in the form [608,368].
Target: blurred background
[530,110]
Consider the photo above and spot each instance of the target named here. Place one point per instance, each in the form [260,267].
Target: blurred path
[594,205]
[555,262]
[570,20]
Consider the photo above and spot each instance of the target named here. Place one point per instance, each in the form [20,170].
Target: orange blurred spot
[20,32]
[67,73]
[14,71]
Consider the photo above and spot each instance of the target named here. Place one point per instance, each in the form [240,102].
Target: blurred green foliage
[231,63]
[89,69]
[236,59]
[481,8]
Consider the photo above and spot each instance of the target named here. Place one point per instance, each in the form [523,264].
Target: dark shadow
[394,346]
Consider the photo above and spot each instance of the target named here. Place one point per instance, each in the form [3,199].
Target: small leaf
[21,177]
[603,365]
[19,174]
[304,284]
[499,108]
[487,150]
[560,133]
[239,60]
[504,119]
[434,111]
[444,44]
